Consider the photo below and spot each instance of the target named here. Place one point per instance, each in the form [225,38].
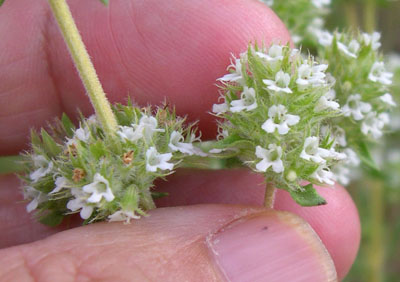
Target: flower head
[280,84]
[279,119]
[270,158]
[155,160]
[246,102]
[99,188]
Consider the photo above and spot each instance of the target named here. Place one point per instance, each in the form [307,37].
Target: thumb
[194,243]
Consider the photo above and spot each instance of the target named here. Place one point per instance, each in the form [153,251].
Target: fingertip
[336,223]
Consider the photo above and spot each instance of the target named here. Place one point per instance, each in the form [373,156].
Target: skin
[149,58]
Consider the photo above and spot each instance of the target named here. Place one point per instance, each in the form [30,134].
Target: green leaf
[105,2]
[35,139]
[307,196]
[68,125]
[2,2]
[52,218]
[49,144]
[365,156]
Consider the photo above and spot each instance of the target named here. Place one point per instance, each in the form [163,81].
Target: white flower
[61,182]
[43,166]
[351,50]
[36,196]
[379,74]
[274,54]
[340,136]
[388,99]
[296,38]
[326,102]
[246,102]
[176,144]
[220,108]
[324,175]
[123,215]
[321,3]
[311,75]
[325,38]
[155,160]
[280,84]
[270,158]
[373,124]
[79,203]
[99,188]
[372,39]
[312,151]
[145,129]
[355,107]
[237,75]
[83,134]
[352,158]
[341,174]
[279,119]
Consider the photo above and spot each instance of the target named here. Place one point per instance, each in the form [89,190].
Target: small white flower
[176,144]
[61,182]
[325,38]
[355,107]
[36,196]
[274,54]
[220,108]
[43,166]
[372,39]
[237,75]
[155,160]
[79,203]
[279,119]
[352,158]
[326,102]
[324,175]
[351,50]
[379,74]
[145,129]
[99,188]
[296,38]
[388,99]
[312,151]
[128,133]
[311,75]
[280,84]
[83,134]
[321,3]
[246,102]
[123,215]
[373,124]
[270,158]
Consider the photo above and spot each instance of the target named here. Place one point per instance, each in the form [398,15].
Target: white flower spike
[279,119]
[99,188]
[155,160]
[247,101]
[270,158]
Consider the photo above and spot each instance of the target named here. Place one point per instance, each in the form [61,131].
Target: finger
[148,50]
[336,223]
[198,243]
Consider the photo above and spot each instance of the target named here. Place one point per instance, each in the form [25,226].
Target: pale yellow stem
[269,198]
[84,65]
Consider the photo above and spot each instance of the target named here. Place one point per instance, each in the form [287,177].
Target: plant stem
[269,198]
[84,65]
[370,16]
[350,10]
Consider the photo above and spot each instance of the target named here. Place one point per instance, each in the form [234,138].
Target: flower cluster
[80,170]
[363,91]
[276,104]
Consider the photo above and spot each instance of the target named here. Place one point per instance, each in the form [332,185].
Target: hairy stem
[269,198]
[84,65]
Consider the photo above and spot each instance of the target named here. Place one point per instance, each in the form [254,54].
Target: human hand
[151,50]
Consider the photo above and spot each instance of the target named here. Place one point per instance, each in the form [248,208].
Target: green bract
[275,103]
[80,170]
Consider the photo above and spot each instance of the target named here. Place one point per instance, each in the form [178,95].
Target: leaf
[307,196]
[35,139]
[52,218]
[68,125]
[49,144]
[365,156]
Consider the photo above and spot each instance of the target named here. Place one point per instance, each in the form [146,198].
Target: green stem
[269,197]
[84,65]
[370,16]
[350,9]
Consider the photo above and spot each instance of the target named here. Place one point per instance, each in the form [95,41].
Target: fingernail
[271,246]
